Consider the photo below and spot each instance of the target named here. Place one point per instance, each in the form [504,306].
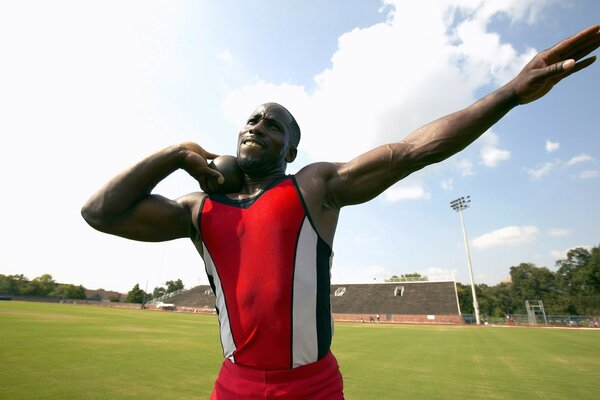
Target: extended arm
[125,206]
[371,173]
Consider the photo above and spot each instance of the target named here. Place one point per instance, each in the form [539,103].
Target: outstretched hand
[195,163]
[550,66]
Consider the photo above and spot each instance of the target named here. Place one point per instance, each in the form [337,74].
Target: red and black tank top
[270,272]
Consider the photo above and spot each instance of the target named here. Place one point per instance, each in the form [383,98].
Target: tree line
[42,286]
[573,289]
[45,286]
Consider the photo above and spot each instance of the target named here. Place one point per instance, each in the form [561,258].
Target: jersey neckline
[246,202]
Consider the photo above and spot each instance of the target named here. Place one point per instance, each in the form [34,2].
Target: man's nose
[257,129]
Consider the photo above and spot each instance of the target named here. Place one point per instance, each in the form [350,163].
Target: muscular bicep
[152,219]
[368,175]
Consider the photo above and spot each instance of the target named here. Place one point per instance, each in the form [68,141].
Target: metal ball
[231,171]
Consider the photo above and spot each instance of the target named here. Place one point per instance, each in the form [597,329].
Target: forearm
[371,173]
[126,189]
[449,135]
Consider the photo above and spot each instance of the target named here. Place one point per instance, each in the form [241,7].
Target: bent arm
[370,174]
[125,206]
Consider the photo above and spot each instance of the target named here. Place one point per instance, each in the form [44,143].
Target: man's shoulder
[317,170]
[192,200]
[314,177]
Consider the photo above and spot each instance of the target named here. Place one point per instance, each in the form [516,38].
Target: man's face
[264,142]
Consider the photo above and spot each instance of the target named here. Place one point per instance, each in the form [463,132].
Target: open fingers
[562,69]
[583,64]
[578,45]
[585,50]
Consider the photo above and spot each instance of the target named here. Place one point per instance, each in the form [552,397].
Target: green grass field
[61,351]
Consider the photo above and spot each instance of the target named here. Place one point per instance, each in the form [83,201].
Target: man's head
[268,141]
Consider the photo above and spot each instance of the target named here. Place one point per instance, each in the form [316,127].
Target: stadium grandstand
[416,302]
[399,302]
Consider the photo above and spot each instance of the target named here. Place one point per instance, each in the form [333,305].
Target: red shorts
[317,381]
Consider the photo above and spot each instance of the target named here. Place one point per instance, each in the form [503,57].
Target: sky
[88,88]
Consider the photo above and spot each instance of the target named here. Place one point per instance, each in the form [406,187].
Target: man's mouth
[251,142]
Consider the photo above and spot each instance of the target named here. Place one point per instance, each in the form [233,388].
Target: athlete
[267,248]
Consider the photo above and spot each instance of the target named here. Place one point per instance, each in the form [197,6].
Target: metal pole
[459,205]
[475,303]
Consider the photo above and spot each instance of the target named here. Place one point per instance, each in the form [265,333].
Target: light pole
[459,205]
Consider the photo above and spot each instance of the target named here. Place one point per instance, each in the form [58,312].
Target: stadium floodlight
[459,205]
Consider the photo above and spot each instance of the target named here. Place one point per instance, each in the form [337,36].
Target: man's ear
[291,154]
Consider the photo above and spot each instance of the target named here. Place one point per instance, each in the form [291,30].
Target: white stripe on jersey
[304,303]
[226,336]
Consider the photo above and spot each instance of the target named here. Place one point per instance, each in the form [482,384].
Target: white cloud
[579,159]
[551,146]
[239,103]
[375,94]
[558,232]
[465,167]
[406,192]
[490,154]
[589,174]
[507,236]
[537,173]
[224,55]
[544,169]
[447,184]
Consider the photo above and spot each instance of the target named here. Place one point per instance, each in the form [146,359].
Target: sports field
[63,351]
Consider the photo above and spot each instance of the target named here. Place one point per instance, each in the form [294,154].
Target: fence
[588,321]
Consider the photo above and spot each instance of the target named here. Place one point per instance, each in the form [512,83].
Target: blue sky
[88,88]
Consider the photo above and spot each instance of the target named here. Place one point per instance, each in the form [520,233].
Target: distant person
[267,246]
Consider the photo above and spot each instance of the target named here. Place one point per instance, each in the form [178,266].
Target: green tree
[69,291]
[159,291]
[530,282]
[583,287]
[503,301]
[579,277]
[137,295]
[41,286]
[465,299]
[13,284]
[173,286]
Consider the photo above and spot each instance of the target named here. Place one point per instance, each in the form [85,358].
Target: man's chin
[251,165]
[255,167]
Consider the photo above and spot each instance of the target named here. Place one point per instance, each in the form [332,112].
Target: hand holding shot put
[266,237]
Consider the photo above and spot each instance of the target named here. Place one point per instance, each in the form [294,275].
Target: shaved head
[294,128]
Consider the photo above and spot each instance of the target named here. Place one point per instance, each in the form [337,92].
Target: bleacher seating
[394,302]
[197,297]
[416,298]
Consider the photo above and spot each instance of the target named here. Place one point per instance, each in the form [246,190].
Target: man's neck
[254,184]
